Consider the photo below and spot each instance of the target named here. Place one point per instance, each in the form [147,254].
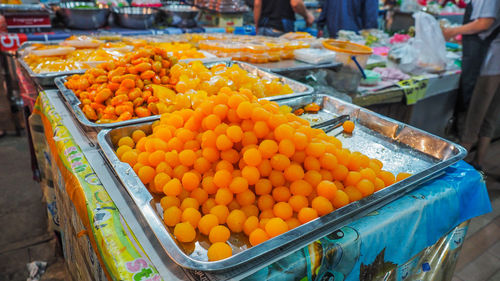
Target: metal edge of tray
[291,240]
[74,105]
[303,66]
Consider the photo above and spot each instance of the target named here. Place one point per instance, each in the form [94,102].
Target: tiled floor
[480,256]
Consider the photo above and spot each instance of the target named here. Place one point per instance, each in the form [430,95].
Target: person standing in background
[353,15]
[276,17]
[480,74]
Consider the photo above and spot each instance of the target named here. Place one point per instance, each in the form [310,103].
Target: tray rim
[304,234]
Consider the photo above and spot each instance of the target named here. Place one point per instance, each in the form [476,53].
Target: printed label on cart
[12,41]
[457,237]
[414,89]
[142,271]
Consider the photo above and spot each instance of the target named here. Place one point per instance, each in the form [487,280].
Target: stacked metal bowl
[223,6]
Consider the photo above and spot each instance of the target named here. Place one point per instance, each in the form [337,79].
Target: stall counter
[418,236]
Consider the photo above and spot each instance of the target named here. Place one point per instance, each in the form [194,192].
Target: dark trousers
[484,109]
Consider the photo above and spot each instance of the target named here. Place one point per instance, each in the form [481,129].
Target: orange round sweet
[245,198]
[294,172]
[322,205]
[190,181]
[238,185]
[251,223]
[219,251]
[189,203]
[192,216]
[219,233]
[301,187]
[223,196]
[403,175]
[265,202]
[258,236]
[340,200]
[307,214]
[235,220]
[252,157]
[297,202]
[353,193]
[281,194]
[275,227]
[348,126]
[221,211]
[326,189]
[184,232]
[366,187]
[283,210]
[172,216]
[172,187]
[207,222]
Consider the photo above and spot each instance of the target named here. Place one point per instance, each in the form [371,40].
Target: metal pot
[83,15]
[181,15]
[135,17]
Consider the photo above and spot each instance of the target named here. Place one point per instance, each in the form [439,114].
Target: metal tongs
[329,125]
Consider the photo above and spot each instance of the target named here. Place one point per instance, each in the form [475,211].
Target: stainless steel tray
[398,146]
[74,105]
[74,102]
[47,78]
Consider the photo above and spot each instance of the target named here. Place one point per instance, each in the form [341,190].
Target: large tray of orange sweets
[220,189]
[104,98]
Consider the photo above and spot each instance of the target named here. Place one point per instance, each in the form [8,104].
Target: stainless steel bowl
[180,15]
[83,15]
[135,17]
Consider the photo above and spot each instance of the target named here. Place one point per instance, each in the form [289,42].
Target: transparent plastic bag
[429,43]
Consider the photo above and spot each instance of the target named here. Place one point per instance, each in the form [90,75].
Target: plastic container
[351,73]
[346,50]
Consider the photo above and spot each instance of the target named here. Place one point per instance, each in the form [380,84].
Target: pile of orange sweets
[149,82]
[235,164]
[195,76]
[123,89]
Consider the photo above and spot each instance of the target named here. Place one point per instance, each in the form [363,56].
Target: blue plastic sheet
[390,239]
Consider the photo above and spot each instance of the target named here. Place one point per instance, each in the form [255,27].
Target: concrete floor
[24,237]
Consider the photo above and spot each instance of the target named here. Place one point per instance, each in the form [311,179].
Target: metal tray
[74,105]
[400,147]
[47,78]
[74,102]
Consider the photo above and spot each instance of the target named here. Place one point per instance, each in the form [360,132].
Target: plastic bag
[405,57]
[429,43]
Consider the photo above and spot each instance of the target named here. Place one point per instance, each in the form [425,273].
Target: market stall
[165,154]
[79,182]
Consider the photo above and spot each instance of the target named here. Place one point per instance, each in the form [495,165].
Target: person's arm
[370,14]
[474,27]
[299,8]
[257,7]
